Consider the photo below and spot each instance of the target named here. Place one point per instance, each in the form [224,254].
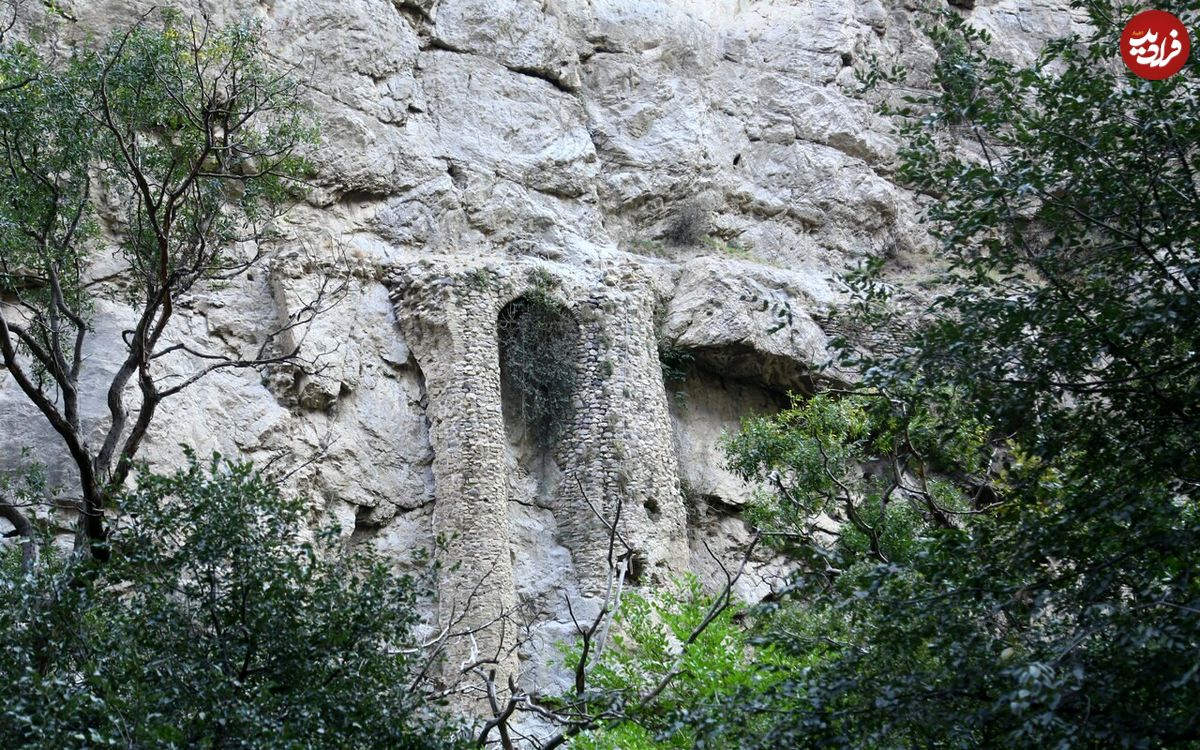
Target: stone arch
[618,447]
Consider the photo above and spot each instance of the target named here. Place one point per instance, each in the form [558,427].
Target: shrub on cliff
[215,624]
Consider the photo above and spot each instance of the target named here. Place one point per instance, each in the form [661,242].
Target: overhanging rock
[749,322]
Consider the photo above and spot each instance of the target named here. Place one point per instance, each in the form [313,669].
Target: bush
[1055,604]
[215,624]
[670,638]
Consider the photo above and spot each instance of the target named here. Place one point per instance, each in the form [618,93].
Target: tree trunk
[23,530]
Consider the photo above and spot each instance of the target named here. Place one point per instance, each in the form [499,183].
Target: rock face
[689,175]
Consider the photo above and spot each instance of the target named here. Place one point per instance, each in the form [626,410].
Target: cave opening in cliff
[539,352]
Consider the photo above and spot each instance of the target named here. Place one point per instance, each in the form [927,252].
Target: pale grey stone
[693,173]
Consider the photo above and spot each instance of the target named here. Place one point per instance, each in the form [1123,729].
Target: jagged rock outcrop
[689,173]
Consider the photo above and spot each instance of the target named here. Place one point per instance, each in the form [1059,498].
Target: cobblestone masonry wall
[619,451]
[451,329]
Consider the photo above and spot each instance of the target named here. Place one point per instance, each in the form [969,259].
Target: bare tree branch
[184,177]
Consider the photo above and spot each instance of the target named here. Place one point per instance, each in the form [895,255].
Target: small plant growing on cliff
[733,250]
[689,226]
[539,349]
[543,281]
[194,140]
[481,279]
[675,361]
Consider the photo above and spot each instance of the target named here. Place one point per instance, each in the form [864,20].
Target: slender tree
[196,140]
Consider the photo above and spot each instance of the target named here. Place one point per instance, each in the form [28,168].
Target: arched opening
[539,355]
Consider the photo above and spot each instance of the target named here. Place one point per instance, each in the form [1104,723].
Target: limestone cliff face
[685,173]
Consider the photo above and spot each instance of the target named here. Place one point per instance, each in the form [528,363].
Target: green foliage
[850,477]
[652,645]
[193,121]
[1070,240]
[539,351]
[45,208]
[188,128]
[481,279]
[216,624]
[192,142]
[25,484]
[1058,608]
[675,362]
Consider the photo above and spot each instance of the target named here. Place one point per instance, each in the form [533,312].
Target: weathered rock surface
[695,171]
